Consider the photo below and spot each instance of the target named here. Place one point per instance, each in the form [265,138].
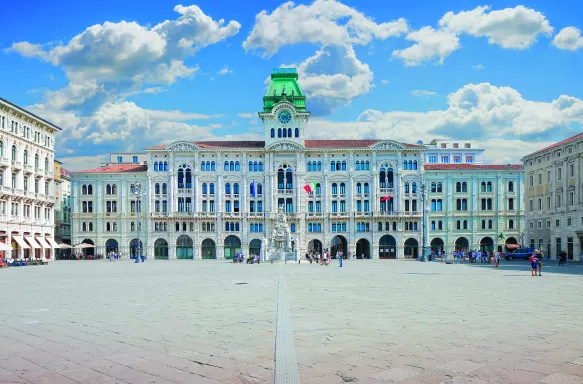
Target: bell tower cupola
[284,113]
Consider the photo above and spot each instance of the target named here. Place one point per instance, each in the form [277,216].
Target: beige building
[553,199]
[27,183]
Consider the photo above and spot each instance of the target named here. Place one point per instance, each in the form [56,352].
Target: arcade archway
[208,249]
[387,247]
[184,247]
[232,246]
[363,249]
[339,243]
[161,249]
[315,246]
[437,246]
[411,248]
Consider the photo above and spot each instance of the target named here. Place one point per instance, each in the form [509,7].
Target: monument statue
[280,243]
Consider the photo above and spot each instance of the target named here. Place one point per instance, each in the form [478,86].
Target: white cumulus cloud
[322,22]
[569,38]
[423,93]
[430,44]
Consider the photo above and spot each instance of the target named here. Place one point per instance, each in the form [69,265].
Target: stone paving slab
[369,322]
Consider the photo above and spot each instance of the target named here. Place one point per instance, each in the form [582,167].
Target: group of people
[479,257]
[114,256]
[324,258]
[240,257]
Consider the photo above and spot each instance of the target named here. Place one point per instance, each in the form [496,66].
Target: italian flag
[386,198]
[309,188]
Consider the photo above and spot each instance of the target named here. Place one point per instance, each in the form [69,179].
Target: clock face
[284,117]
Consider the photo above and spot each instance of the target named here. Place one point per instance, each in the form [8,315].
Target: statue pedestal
[281,256]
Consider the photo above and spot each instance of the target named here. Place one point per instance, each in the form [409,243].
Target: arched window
[297,135]
[414,187]
[280,179]
[433,187]
[406,187]
[309,166]
[465,224]
[255,166]
[188,177]
[108,189]
[289,184]
[232,166]
[250,166]
[357,165]
[84,189]
[237,166]
[366,191]
[165,165]
[236,188]
[292,226]
[226,167]
[35,160]
[204,188]
[211,189]
[25,157]
[279,132]
[14,155]
[344,165]
[464,187]
[203,166]
[390,178]
[260,166]
[415,164]
[180,178]
[90,227]
[157,188]
[289,132]
[213,166]
[228,188]
[84,226]
[458,187]
[164,188]
[2,149]
[284,132]
[334,188]
[383,178]
[259,189]
[410,164]
[319,165]
[510,224]
[367,166]
[489,186]
[405,165]
[156,166]
[90,189]
[332,165]
[338,166]
[483,186]
[510,186]
[272,132]
[358,188]
[439,187]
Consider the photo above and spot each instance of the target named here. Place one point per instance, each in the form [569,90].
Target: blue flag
[253,193]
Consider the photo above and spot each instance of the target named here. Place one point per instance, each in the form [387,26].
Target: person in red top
[533,263]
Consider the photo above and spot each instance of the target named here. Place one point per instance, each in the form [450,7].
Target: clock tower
[284,113]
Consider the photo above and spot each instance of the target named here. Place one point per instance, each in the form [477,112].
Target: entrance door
[209,249]
[362,249]
[387,247]
[232,246]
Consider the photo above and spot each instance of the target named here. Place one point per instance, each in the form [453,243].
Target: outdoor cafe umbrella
[65,246]
[84,245]
[512,246]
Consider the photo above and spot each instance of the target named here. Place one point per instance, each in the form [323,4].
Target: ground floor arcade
[27,244]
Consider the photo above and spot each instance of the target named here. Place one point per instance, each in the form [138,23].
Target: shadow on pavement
[549,266]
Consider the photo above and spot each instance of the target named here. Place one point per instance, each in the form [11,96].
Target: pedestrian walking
[533,263]
[340,260]
[562,258]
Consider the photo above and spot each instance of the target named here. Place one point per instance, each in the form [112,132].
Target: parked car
[519,254]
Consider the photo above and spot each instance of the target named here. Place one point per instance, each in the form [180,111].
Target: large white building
[27,187]
[211,199]
[554,198]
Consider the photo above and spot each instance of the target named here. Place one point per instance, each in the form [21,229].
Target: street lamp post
[137,191]
[423,224]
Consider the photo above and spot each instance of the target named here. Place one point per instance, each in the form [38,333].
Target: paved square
[215,322]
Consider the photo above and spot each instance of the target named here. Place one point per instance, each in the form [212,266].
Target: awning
[42,242]
[52,242]
[31,241]
[21,242]
[65,246]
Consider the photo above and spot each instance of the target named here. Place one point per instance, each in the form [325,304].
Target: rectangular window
[571,170]
[531,181]
[457,159]
[540,179]
[469,159]
[135,159]
[433,159]
[119,159]
[445,159]
[559,173]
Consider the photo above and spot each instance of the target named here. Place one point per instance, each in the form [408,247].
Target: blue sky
[121,77]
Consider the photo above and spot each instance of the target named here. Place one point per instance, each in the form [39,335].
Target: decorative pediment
[182,146]
[285,146]
[387,145]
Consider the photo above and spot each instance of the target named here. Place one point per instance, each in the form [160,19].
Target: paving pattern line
[286,366]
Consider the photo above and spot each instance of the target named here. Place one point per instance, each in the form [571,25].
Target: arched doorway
[362,249]
[411,248]
[437,246]
[134,245]
[487,244]
[208,249]
[255,247]
[387,247]
[232,246]
[315,245]
[184,247]
[88,251]
[161,249]
[339,243]
[111,245]
[511,240]
[462,244]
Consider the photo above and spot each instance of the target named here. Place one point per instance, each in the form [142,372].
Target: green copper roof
[284,87]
